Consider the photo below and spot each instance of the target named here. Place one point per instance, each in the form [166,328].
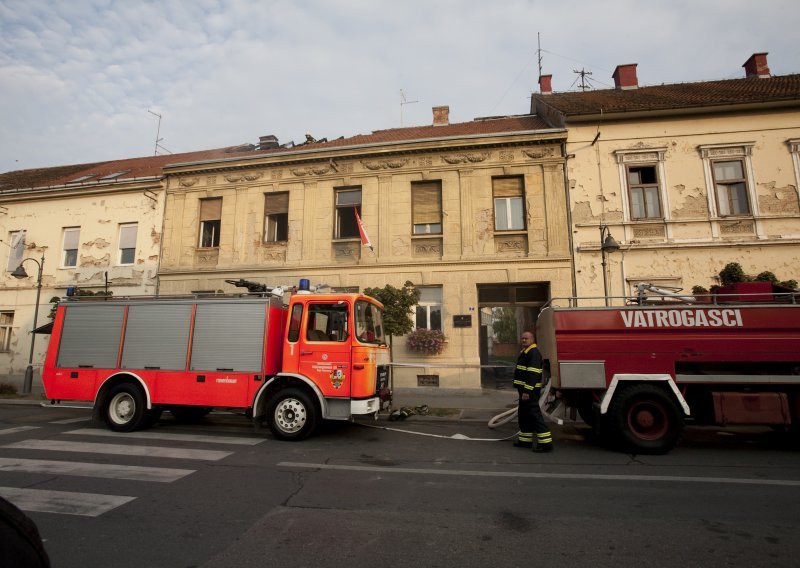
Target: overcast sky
[79,79]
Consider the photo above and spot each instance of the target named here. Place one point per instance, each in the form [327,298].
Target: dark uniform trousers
[528,379]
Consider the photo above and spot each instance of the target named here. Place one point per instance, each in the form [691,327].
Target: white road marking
[156,435]
[17,429]
[84,469]
[577,476]
[116,449]
[63,502]
[71,420]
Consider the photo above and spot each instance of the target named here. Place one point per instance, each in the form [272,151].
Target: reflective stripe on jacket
[528,374]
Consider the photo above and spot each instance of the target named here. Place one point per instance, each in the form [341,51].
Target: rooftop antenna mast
[539,51]
[158,133]
[584,77]
[404,102]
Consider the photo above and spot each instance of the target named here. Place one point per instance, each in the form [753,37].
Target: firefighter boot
[543,448]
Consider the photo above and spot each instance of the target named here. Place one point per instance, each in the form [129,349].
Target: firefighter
[528,380]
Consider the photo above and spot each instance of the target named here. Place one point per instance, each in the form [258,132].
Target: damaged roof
[153,166]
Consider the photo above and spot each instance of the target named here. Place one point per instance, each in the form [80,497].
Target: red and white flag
[362,231]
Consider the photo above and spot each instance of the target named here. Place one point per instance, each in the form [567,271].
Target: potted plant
[426,341]
[701,294]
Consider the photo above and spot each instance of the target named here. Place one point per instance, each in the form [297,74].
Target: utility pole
[584,74]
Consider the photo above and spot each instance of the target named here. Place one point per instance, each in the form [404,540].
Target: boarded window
[17,252]
[426,207]
[509,209]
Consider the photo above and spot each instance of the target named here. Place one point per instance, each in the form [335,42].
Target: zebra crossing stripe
[156,435]
[116,449]
[84,469]
[63,502]
[17,429]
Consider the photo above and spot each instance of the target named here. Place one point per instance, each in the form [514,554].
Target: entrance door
[506,310]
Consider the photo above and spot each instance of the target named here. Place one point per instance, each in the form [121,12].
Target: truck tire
[124,409]
[292,415]
[644,419]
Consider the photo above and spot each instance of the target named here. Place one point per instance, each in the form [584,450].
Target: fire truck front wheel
[292,415]
[124,409]
[645,420]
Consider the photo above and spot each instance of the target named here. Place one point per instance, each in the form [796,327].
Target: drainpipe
[569,221]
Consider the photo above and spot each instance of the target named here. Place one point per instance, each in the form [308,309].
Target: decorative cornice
[383,164]
[471,158]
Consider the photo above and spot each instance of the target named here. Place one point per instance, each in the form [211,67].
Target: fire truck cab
[322,356]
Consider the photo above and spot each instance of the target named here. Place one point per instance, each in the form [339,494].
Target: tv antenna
[584,74]
[158,132]
[404,102]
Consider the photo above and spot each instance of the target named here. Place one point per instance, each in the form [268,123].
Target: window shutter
[210,209]
[276,203]
[346,197]
[507,187]
[427,203]
[127,237]
[71,237]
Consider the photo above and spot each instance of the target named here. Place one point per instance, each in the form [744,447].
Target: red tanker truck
[638,373]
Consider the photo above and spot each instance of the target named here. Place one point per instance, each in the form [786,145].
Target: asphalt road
[217,495]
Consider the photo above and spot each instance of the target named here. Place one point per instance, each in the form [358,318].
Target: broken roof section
[153,166]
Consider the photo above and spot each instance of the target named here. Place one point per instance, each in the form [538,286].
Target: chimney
[441,116]
[756,66]
[625,76]
[267,142]
[545,84]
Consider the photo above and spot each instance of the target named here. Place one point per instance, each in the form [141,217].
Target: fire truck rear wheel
[292,415]
[124,409]
[645,420]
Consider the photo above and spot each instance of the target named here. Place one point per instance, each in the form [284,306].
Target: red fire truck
[323,356]
[638,373]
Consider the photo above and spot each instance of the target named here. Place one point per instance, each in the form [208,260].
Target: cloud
[77,78]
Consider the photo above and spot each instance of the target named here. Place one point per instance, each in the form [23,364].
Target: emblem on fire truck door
[337,378]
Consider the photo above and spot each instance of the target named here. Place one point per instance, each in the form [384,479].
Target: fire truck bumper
[365,406]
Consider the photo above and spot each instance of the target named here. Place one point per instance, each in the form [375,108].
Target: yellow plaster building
[686,177]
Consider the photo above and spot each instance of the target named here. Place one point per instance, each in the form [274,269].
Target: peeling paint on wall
[692,203]
[780,200]
[99,243]
[93,261]
[155,236]
[582,212]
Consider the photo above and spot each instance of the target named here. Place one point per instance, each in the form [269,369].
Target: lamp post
[607,244]
[20,273]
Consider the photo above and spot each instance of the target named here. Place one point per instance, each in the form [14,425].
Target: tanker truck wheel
[292,415]
[645,419]
[124,409]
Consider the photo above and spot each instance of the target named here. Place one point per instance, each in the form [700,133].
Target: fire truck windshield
[369,323]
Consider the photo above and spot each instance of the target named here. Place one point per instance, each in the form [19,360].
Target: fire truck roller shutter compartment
[91,335]
[157,336]
[228,336]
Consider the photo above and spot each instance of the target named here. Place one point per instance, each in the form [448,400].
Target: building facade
[685,177]
[473,214]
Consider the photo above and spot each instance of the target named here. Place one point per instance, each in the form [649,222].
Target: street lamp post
[20,273]
[607,244]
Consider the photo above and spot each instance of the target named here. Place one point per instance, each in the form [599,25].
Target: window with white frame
[69,257]
[729,179]
[210,222]
[276,217]
[429,308]
[6,326]
[17,252]
[347,203]
[509,205]
[426,207]
[730,187]
[641,175]
[127,243]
